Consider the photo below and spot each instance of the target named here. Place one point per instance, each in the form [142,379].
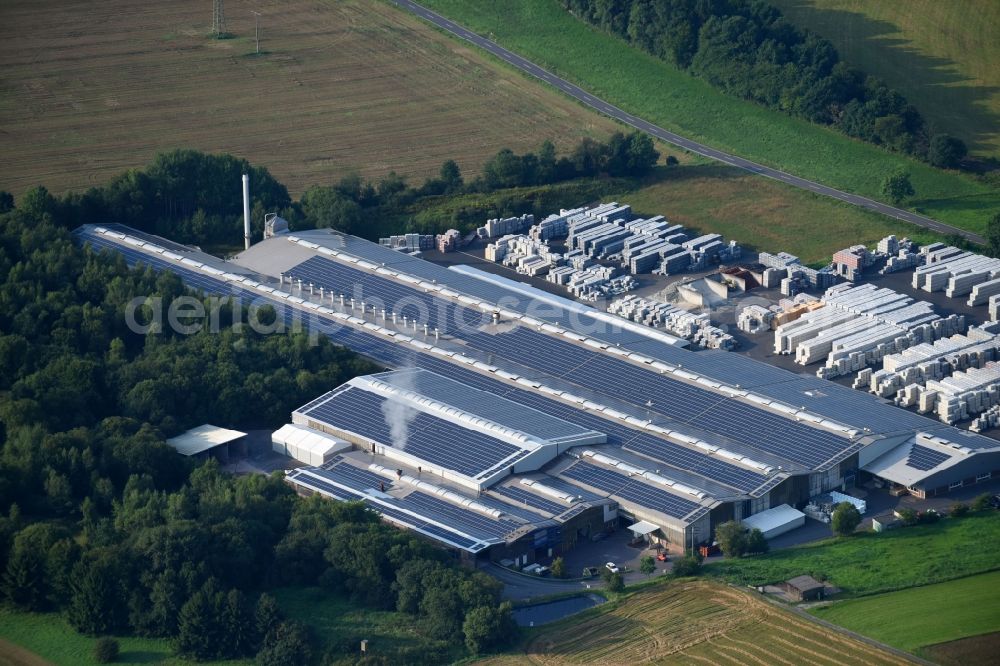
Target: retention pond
[550,611]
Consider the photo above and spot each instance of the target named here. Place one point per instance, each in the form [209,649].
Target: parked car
[599,536]
[590,572]
[612,567]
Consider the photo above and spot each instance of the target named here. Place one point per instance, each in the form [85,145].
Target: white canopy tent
[775,521]
[306,445]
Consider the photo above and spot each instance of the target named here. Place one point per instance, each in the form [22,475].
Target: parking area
[614,548]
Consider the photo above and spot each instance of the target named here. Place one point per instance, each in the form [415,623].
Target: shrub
[732,538]
[558,568]
[929,516]
[959,509]
[946,151]
[106,650]
[616,583]
[688,565]
[908,516]
[981,503]
[756,543]
[845,519]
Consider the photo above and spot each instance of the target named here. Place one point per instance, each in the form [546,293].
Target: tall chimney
[246,211]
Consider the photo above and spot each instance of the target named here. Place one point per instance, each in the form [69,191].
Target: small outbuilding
[209,440]
[803,588]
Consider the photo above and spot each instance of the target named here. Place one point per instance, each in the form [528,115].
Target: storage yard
[603,248]
[516,423]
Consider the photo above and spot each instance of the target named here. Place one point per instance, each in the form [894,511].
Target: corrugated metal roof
[201,439]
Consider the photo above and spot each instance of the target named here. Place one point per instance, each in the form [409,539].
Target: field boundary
[847,632]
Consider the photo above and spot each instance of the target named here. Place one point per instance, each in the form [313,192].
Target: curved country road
[604,107]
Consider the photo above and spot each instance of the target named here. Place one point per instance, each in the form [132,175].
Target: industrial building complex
[511,424]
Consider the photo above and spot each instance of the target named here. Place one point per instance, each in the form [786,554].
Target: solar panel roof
[436,440]
[505,412]
[521,496]
[404,356]
[630,489]
[925,458]
[709,410]
[397,355]
[388,510]
[354,477]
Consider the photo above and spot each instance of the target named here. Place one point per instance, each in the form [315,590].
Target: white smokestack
[246,211]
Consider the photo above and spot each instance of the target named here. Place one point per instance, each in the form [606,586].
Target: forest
[749,50]
[106,524]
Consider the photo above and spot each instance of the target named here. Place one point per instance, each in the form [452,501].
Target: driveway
[522,587]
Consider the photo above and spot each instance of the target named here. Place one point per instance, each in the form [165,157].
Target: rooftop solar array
[430,438]
[664,451]
[512,508]
[707,410]
[165,243]
[483,404]
[630,489]
[521,496]
[925,458]
[826,398]
[355,477]
[852,408]
[772,433]
[481,289]
[396,355]
[387,509]
[469,521]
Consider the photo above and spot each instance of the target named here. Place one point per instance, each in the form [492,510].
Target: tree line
[748,49]
[106,524]
[194,198]
[347,205]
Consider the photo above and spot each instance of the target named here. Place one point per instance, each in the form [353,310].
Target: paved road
[701,149]
[521,587]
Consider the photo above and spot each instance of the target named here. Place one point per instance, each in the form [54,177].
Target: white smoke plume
[399,415]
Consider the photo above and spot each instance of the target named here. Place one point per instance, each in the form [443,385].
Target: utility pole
[218,19]
[256,28]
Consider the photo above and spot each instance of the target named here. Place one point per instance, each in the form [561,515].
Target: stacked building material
[409,242]
[782,260]
[803,278]
[852,262]
[555,225]
[449,240]
[988,419]
[525,255]
[931,360]
[858,326]
[505,225]
[960,396]
[981,293]
[954,271]
[688,325]
[900,255]
[755,319]
[608,232]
